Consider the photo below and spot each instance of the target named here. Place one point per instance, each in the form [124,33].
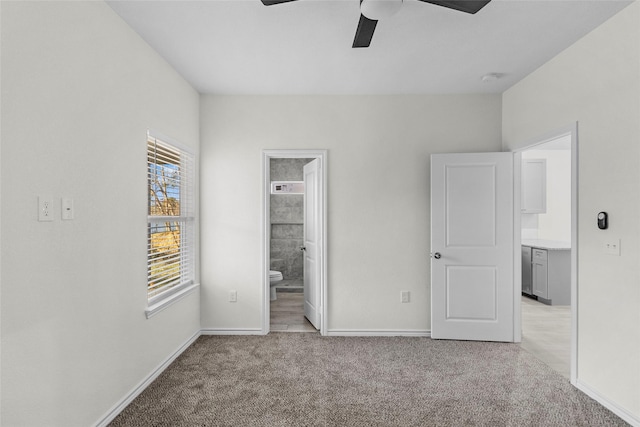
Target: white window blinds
[171,212]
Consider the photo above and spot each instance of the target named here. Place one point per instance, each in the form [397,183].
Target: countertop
[553,245]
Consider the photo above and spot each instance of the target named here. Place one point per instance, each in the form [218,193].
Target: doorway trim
[267,155]
[570,130]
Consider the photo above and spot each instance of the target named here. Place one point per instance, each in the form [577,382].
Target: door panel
[465,227]
[471,293]
[472,231]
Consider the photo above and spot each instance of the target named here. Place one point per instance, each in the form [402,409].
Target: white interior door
[312,242]
[472,242]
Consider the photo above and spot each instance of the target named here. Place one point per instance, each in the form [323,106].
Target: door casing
[267,155]
[570,130]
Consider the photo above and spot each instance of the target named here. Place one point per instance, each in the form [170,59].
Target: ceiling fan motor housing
[380,9]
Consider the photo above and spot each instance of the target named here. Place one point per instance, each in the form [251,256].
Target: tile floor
[546,333]
[290,285]
[287,313]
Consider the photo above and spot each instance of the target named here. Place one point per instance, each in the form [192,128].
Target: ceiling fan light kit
[371,11]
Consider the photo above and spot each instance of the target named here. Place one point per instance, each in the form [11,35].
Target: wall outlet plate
[404,296]
[45,208]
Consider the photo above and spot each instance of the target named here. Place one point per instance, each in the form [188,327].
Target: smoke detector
[491,77]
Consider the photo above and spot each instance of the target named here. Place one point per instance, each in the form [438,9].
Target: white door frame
[571,130]
[267,155]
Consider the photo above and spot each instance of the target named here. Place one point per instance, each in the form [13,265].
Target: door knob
[437,255]
[302,248]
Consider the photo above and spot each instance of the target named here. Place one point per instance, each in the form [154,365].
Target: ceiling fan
[371,11]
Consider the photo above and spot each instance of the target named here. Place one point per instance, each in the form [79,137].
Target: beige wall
[596,82]
[378,189]
[79,91]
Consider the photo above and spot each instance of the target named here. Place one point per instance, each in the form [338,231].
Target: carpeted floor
[307,380]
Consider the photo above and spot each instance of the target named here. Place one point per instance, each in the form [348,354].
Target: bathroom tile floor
[290,285]
[546,333]
[287,313]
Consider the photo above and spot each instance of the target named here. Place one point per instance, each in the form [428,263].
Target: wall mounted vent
[287,187]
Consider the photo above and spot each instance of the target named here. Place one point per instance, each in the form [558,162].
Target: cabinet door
[539,273]
[534,186]
[526,270]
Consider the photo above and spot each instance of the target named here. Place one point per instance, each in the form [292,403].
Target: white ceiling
[304,47]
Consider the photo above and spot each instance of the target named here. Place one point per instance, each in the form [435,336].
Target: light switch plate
[612,247]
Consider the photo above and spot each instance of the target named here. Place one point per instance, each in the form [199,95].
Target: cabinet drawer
[538,255]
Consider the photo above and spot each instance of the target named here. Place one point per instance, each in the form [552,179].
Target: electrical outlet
[404,296]
[45,208]
[612,247]
[233,296]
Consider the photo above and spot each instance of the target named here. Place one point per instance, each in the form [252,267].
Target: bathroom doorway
[548,249]
[294,240]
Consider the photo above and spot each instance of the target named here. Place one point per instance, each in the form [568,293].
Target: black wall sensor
[603,221]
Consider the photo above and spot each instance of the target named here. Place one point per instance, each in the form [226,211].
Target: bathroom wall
[286,212]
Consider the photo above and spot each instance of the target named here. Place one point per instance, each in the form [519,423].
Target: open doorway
[294,240]
[548,250]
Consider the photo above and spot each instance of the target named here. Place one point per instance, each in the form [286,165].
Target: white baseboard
[378,333]
[621,412]
[231,331]
[119,407]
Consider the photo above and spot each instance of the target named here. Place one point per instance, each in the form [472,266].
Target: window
[171,217]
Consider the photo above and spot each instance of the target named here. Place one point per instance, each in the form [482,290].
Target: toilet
[274,277]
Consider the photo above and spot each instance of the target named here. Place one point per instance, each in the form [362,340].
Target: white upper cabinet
[534,186]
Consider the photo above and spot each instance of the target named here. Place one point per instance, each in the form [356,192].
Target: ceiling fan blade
[272,2]
[364,33]
[468,6]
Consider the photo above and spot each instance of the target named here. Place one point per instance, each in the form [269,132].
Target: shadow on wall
[287,218]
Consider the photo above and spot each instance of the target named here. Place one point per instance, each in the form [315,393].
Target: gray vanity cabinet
[527,287]
[539,273]
[549,274]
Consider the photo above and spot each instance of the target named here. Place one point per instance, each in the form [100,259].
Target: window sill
[157,307]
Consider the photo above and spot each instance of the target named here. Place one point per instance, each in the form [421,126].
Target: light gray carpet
[286,379]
